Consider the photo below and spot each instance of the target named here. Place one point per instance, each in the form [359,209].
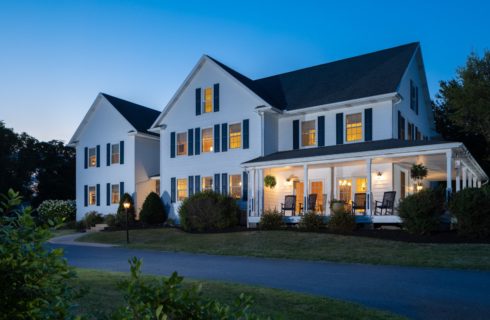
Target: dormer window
[353,127]
[182,143]
[308,133]
[208,100]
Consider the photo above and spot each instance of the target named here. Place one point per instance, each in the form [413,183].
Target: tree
[153,210]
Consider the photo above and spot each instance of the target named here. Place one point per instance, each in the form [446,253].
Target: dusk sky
[55,56]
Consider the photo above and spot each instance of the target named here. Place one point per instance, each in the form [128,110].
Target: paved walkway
[419,293]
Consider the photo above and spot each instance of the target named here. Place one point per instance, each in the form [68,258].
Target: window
[207,183]
[410,131]
[414,97]
[181,189]
[182,143]
[361,185]
[345,190]
[235,135]
[418,135]
[308,133]
[92,157]
[157,187]
[236,186]
[353,127]
[207,140]
[91,196]
[401,128]
[208,100]
[115,153]
[114,193]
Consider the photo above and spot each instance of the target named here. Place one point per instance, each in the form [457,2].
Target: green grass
[61,232]
[104,297]
[305,246]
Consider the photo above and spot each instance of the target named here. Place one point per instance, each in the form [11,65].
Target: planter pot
[338,207]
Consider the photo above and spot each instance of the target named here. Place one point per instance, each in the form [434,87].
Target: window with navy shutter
[172,189]
[172,145]
[295,134]
[190,183]
[85,165]
[245,186]
[190,142]
[98,156]
[224,137]
[197,184]
[121,152]
[108,194]
[108,154]
[98,194]
[246,142]
[216,97]
[197,139]
[339,119]
[321,131]
[121,189]
[368,124]
[224,183]
[85,195]
[216,182]
[198,101]
[216,138]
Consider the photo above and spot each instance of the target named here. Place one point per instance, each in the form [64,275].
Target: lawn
[306,246]
[103,296]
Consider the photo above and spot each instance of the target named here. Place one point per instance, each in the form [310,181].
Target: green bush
[420,212]
[471,207]
[271,220]
[311,221]
[342,221]
[206,211]
[153,211]
[110,220]
[121,212]
[92,218]
[57,209]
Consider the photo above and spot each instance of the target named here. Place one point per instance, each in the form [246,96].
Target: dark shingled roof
[141,118]
[362,76]
[345,148]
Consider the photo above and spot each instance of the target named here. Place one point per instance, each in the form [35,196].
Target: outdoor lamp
[126,205]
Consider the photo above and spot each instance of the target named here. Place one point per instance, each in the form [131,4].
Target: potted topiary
[418,172]
[337,205]
[270,181]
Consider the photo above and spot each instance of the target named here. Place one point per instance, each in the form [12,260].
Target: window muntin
[181,189]
[207,184]
[207,140]
[92,157]
[353,127]
[181,143]
[115,153]
[115,193]
[208,100]
[308,133]
[235,184]
[235,140]
[92,197]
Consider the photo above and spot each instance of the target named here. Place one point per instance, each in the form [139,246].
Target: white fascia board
[74,139]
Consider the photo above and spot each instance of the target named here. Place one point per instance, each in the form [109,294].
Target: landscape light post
[126,205]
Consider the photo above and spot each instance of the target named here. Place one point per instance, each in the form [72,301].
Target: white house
[115,153]
[353,126]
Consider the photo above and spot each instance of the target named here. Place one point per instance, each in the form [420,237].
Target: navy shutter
[121,152]
[172,145]
[108,157]
[198,101]
[190,183]
[85,195]
[108,194]
[98,194]
[85,162]
[121,189]
[224,183]
[216,97]
[321,131]
[197,138]
[98,156]
[216,138]
[295,134]
[245,186]
[197,184]
[245,134]
[190,142]
[224,137]
[368,124]
[340,127]
[216,182]
[172,189]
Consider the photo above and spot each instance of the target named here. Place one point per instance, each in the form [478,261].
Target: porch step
[98,227]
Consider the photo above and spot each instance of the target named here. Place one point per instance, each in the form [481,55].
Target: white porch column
[368,193]
[332,188]
[479,183]
[250,193]
[449,173]
[458,175]
[305,185]
[465,179]
[260,199]
[473,183]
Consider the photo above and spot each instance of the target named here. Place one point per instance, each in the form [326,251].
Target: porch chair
[359,203]
[289,205]
[387,204]
[311,202]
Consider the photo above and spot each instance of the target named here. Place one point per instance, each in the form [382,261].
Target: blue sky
[55,56]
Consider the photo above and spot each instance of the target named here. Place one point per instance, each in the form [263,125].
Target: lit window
[236,186]
[361,185]
[345,190]
[207,183]
[157,187]
[207,140]
[308,133]
[181,189]
[181,143]
[92,157]
[208,100]
[235,135]
[91,196]
[115,193]
[353,127]
[115,153]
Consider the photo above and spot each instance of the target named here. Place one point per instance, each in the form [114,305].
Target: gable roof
[361,76]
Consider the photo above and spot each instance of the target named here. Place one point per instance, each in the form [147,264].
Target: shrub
[420,212]
[271,220]
[311,221]
[472,211]
[153,211]
[206,211]
[110,220]
[92,218]
[121,212]
[342,221]
[57,209]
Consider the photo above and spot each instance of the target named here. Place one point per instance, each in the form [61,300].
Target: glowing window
[207,183]
[361,185]
[308,133]
[235,135]
[115,153]
[345,190]
[353,126]
[115,194]
[207,140]
[181,143]
[181,189]
[91,196]
[236,186]
[208,100]
[92,157]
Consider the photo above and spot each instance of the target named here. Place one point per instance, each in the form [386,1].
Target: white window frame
[229,136]
[186,189]
[186,151]
[118,193]
[211,188]
[230,186]
[203,99]
[362,127]
[301,133]
[89,156]
[113,153]
[90,188]
[202,140]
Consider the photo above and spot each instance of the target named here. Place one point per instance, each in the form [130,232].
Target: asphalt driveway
[419,293]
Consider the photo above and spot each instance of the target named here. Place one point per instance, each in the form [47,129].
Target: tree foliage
[153,210]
